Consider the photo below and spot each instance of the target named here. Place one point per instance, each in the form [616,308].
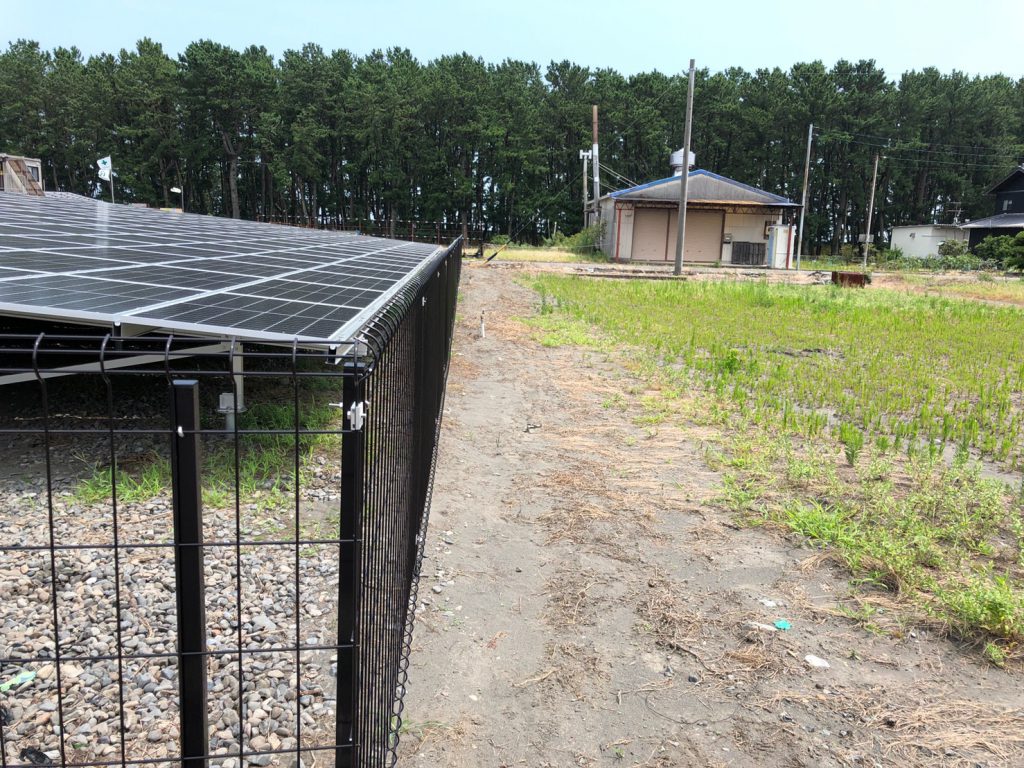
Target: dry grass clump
[573,523]
[672,625]
[677,628]
[573,668]
[929,729]
[571,602]
[576,667]
[422,734]
[753,658]
[593,515]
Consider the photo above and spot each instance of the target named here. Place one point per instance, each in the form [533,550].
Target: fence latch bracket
[357,414]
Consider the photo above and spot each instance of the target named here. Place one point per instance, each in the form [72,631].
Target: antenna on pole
[681,236]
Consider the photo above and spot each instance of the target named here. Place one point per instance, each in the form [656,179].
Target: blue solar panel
[70,258]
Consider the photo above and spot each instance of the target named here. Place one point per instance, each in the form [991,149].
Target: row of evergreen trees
[336,139]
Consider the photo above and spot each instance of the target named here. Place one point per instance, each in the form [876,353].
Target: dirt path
[587,603]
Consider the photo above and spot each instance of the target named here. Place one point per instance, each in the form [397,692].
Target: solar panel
[70,258]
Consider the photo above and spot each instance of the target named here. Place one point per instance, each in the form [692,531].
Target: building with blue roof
[727,222]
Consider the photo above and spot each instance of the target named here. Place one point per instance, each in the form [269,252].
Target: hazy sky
[979,37]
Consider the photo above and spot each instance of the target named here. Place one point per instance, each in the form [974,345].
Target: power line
[618,175]
[929,161]
[824,133]
[932,143]
[1008,155]
[899,154]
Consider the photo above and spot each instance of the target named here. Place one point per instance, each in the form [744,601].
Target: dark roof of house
[1000,221]
[922,226]
[995,187]
[704,187]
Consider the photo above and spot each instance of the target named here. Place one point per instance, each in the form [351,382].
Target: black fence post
[353,445]
[190,590]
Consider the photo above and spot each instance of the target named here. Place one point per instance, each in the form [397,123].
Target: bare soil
[586,602]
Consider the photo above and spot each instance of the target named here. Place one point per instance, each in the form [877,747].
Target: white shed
[919,241]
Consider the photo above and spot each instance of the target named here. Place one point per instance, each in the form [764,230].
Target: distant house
[727,222]
[920,241]
[21,175]
[1009,210]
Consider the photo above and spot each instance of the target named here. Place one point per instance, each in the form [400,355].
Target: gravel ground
[258,704]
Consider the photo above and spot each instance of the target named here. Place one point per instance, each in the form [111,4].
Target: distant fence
[414,231]
[191,587]
[422,232]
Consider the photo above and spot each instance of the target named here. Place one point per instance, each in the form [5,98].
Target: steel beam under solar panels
[67,258]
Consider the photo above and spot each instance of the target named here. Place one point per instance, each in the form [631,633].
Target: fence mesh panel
[187,582]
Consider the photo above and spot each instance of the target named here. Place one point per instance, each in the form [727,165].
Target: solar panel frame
[67,258]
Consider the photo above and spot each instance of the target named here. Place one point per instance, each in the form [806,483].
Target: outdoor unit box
[780,246]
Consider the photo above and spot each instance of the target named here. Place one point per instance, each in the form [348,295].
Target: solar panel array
[70,258]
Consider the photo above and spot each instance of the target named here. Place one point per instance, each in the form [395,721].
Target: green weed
[852,440]
[902,378]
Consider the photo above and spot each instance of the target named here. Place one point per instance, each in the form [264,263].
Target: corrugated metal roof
[1000,221]
[704,187]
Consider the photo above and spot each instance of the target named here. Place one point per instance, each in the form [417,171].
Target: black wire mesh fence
[209,550]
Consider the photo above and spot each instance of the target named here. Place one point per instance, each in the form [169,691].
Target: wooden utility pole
[871,212]
[681,233]
[595,161]
[803,199]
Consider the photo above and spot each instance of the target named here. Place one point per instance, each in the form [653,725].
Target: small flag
[104,166]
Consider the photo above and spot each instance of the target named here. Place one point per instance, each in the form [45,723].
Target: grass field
[885,427]
[980,287]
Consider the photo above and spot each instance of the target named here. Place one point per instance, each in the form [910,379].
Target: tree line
[333,139]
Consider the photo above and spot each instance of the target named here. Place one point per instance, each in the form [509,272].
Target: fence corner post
[353,447]
[190,592]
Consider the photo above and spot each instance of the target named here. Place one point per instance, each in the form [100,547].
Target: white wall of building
[618,237]
[745,228]
[922,241]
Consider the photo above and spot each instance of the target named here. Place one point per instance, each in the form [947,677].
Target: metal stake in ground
[190,589]
[681,236]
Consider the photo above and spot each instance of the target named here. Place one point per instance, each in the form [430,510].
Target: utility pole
[803,199]
[595,161]
[957,210]
[584,156]
[871,212]
[681,233]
